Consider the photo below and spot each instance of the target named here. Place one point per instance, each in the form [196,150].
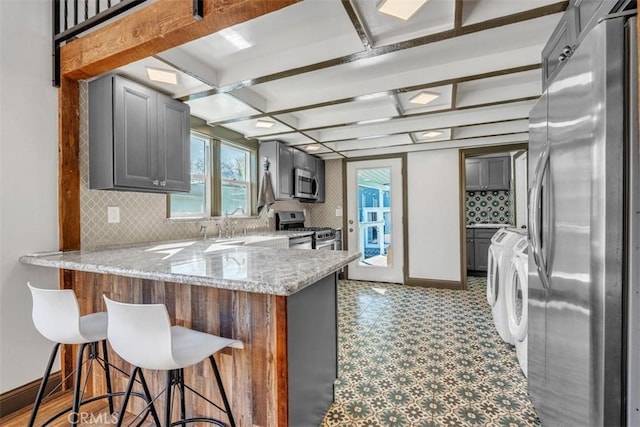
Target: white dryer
[499,265]
[517,297]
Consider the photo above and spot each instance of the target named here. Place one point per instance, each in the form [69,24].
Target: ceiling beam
[493,141]
[396,47]
[159,26]
[397,91]
[365,39]
[457,13]
[391,120]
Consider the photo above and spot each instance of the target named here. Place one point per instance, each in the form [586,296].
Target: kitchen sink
[263,241]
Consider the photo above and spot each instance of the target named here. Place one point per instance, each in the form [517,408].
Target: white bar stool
[56,315]
[143,336]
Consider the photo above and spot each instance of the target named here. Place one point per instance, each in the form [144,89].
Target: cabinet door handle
[163,183]
[155,182]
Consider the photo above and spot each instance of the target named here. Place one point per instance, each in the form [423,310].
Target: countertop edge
[278,289]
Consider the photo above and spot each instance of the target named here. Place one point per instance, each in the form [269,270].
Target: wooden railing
[74,17]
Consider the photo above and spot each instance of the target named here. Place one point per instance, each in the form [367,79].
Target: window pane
[198,156]
[233,162]
[193,202]
[234,198]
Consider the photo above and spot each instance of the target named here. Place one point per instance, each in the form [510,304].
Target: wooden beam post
[155,28]
[145,32]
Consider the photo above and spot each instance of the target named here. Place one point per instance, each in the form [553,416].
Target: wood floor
[94,414]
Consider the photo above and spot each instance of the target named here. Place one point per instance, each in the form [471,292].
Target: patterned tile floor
[411,356]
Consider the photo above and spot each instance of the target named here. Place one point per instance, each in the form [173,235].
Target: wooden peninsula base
[284,375]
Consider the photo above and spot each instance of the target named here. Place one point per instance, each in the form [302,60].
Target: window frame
[248,176]
[214,181]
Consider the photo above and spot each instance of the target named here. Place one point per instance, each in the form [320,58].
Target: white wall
[28,181]
[434,215]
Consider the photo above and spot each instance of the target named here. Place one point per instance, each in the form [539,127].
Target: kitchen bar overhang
[281,303]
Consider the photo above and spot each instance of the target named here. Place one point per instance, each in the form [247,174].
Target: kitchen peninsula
[281,303]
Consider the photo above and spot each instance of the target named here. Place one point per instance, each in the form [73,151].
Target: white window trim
[247,184]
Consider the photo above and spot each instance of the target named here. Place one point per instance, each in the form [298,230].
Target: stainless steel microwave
[305,184]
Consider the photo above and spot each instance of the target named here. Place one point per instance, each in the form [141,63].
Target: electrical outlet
[113,214]
[339,211]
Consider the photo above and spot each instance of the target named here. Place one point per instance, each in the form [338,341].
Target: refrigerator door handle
[536,217]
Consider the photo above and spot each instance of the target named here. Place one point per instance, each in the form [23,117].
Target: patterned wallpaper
[324,214]
[143,216]
[493,207]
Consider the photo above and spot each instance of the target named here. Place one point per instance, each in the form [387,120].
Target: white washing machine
[499,265]
[517,297]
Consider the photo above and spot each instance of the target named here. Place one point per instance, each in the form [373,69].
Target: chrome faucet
[239,208]
[203,231]
[225,222]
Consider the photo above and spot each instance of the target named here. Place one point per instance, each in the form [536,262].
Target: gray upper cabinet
[138,138]
[559,47]
[473,174]
[284,172]
[174,158]
[588,12]
[320,177]
[579,18]
[280,158]
[283,159]
[488,173]
[498,173]
[302,160]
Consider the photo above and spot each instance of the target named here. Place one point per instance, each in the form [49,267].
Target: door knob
[350,221]
[351,230]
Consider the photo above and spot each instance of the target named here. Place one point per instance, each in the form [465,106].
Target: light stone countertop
[206,263]
[490,226]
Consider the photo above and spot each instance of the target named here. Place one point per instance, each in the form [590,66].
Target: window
[222,180]
[196,203]
[236,184]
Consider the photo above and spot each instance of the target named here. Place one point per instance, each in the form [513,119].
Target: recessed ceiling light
[431,134]
[366,122]
[235,39]
[423,98]
[371,96]
[402,9]
[162,76]
[312,147]
[265,124]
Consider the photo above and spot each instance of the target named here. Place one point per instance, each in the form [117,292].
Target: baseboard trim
[23,396]
[433,283]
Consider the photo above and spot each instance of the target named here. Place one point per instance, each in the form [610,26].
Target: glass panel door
[374,216]
[374,219]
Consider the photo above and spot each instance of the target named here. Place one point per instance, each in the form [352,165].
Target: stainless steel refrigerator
[584,230]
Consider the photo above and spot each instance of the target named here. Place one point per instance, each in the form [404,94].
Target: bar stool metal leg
[75,416]
[43,385]
[151,407]
[169,398]
[107,375]
[183,406]
[227,407]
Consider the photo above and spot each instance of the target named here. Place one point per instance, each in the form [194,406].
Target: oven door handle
[323,243]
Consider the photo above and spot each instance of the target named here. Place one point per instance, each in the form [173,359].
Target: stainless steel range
[322,237]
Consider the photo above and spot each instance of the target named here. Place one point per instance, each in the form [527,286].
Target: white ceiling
[338,75]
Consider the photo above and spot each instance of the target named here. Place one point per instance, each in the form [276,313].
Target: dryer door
[493,276]
[517,301]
